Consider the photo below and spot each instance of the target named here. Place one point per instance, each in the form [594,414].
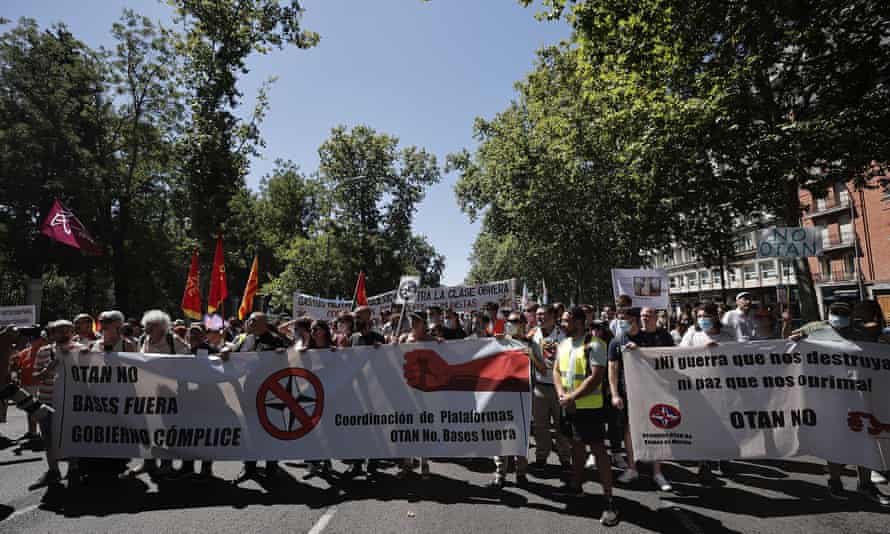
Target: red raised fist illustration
[505,371]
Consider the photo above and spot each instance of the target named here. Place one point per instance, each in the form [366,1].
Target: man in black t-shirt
[635,329]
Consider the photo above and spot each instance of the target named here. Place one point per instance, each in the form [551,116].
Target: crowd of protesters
[579,408]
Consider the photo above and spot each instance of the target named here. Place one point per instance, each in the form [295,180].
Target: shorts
[585,425]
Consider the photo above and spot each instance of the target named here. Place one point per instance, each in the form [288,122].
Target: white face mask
[511,329]
[838,321]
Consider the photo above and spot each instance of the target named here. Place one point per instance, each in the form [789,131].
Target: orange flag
[218,289]
[361,296]
[191,298]
[249,290]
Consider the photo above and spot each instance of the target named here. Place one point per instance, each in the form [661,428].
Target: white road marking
[323,521]
[23,511]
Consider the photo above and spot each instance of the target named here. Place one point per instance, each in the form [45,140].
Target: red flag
[218,289]
[249,290]
[63,226]
[191,298]
[361,296]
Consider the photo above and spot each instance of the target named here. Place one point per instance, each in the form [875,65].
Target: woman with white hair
[157,339]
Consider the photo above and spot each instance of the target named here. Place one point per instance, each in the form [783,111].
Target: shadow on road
[804,498]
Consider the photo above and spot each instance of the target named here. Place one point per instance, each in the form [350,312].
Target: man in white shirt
[740,321]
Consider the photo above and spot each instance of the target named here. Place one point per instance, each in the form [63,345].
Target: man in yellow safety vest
[578,374]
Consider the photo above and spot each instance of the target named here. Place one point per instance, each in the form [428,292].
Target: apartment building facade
[855,229]
[771,281]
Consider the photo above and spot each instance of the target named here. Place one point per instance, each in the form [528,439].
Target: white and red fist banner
[462,398]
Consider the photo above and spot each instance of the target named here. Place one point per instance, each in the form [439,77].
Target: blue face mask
[838,321]
[705,323]
[623,325]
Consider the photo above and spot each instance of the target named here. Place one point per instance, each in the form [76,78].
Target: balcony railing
[843,240]
[834,276]
[829,205]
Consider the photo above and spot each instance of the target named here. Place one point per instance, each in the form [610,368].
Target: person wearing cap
[839,327]
[45,365]
[740,321]
[112,339]
[84,329]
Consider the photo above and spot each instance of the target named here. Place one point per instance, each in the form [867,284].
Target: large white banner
[319,308]
[461,298]
[645,287]
[18,315]
[451,399]
[762,399]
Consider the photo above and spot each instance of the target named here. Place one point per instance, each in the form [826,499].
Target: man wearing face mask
[636,329]
[453,328]
[841,327]
[45,365]
[512,330]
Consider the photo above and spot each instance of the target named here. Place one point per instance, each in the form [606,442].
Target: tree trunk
[119,259]
[809,306]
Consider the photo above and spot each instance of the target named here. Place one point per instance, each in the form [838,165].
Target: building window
[705,277]
[845,226]
[768,269]
[673,282]
[842,194]
[750,272]
[787,268]
[693,279]
[823,231]
[849,265]
[732,275]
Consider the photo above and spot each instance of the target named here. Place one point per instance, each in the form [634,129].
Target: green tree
[217,37]
[374,191]
[780,96]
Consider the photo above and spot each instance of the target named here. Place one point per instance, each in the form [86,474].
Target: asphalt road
[764,497]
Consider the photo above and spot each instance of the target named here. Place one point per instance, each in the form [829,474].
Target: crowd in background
[574,420]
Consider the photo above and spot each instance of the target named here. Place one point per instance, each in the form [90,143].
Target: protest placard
[467,398]
[645,287]
[761,399]
[788,242]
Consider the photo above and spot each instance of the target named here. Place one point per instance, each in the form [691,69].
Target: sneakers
[46,479]
[134,472]
[878,478]
[570,490]
[662,483]
[628,476]
[873,494]
[591,462]
[836,490]
[609,517]
[618,461]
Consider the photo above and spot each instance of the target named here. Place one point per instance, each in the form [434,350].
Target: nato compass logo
[665,416]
